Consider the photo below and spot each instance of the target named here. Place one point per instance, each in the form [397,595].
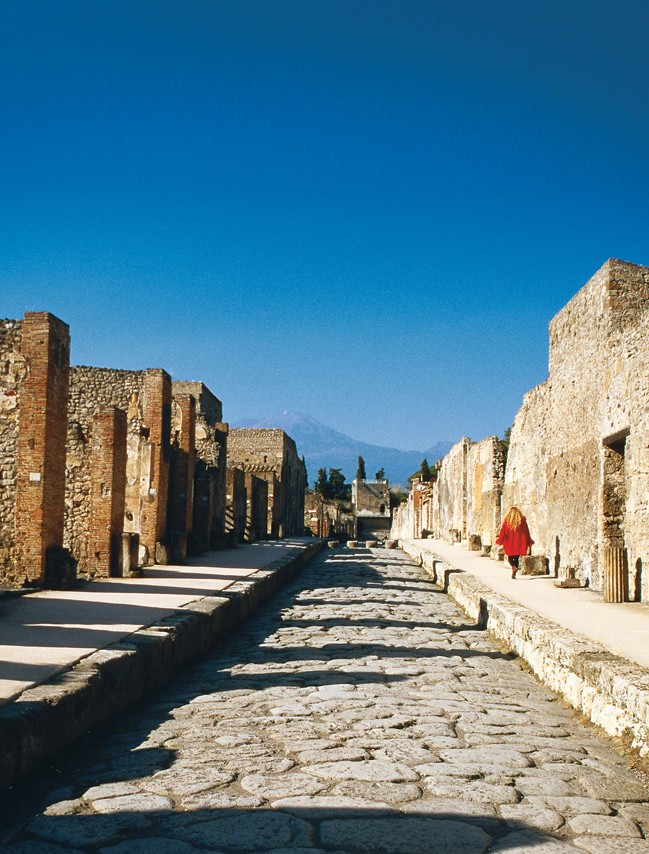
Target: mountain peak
[324,447]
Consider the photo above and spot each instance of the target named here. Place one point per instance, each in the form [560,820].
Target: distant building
[271,455]
[371,503]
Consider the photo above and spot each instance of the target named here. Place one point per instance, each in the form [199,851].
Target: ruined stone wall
[94,391]
[578,463]
[145,396]
[371,497]
[271,450]
[211,434]
[13,370]
[485,479]
[235,508]
[450,512]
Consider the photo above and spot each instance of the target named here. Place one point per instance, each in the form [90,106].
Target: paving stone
[372,770]
[525,815]
[323,806]
[530,843]
[82,830]
[404,836]
[572,806]
[153,845]
[39,848]
[141,802]
[284,786]
[604,825]
[187,780]
[347,716]
[248,831]
[599,845]
[391,793]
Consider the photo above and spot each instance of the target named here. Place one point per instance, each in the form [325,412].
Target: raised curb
[611,691]
[47,717]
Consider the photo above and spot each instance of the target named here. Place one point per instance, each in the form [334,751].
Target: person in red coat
[515,537]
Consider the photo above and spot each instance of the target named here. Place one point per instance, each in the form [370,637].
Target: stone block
[567,582]
[333,544]
[497,553]
[352,544]
[161,554]
[533,565]
[370,544]
[391,544]
[474,543]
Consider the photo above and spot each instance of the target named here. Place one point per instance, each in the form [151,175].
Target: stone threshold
[46,718]
[611,691]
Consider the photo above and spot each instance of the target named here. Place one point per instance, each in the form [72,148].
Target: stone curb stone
[46,718]
[611,691]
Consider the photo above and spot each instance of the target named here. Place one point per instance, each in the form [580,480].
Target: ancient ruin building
[34,365]
[327,518]
[117,467]
[256,508]
[207,529]
[371,505]
[463,501]
[578,464]
[271,455]
[235,505]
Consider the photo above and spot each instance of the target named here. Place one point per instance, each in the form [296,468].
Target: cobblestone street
[357,712]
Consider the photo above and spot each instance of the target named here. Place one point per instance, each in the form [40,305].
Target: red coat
[515,542]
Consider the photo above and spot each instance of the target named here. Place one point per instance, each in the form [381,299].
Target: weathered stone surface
[255,831]
[351,646]
[604,825]
[155,845]
[405,836]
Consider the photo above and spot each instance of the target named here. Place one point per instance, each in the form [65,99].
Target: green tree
[322,485]
[360,471]
[380,474]
[339,489]
[424,470]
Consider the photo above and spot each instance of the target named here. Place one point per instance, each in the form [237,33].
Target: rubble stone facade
[145,397]
[463,503]
[578,463]
[210,468]
[271,455]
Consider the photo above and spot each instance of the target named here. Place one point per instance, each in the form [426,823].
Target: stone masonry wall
[211,435]
[578,463]
[93,391]
[485,478]
[13,370]
[450,515]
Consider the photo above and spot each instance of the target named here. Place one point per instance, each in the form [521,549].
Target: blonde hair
[514,518]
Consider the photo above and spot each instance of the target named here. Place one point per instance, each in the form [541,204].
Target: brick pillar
[40,450]
[107,491]
[181,486]
[157,418]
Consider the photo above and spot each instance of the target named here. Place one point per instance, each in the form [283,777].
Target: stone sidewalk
[595,654]
[71,658]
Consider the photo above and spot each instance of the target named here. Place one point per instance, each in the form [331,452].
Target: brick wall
[40,446]
[107,491]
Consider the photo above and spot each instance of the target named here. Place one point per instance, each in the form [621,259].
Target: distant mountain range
[323,447]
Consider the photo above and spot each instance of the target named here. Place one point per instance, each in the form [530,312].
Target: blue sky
[364,211]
